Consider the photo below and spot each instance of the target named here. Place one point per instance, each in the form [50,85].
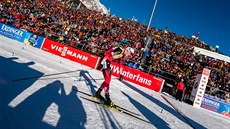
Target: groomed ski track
[49,102]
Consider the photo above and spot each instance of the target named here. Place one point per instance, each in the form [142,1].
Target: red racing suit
[110,55]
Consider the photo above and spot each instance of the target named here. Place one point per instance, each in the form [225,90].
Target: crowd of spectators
[167,54]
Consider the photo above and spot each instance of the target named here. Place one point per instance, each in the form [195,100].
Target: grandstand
[169,55]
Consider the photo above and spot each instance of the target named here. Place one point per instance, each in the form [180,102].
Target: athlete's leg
[107,81]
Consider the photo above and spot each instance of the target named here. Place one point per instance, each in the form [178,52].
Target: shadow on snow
[40,109]
[162,105]
[104,113]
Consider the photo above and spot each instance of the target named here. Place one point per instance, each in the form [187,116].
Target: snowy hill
[95,5]
[50,102]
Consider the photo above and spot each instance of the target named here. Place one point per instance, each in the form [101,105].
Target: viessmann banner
[70,53]
[21,36]
[137,77]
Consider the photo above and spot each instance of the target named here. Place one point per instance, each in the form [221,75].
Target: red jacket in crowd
[180,86]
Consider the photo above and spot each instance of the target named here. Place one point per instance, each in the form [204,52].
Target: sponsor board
[137,77]
[199,87]
[216,105]
[21,35]
[195,87]
[70,53]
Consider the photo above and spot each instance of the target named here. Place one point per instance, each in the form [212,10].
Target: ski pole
[27,78]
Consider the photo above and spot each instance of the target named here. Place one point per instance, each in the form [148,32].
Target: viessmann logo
[132,76]
[65,51]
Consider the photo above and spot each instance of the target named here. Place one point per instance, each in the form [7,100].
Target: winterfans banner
[70,53]
[138,77]
[21,36]
[216,105]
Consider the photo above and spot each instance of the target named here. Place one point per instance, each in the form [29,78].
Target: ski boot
[98,95]
[121,78]
[108,101]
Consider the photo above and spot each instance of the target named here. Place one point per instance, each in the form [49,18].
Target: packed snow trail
[49,102]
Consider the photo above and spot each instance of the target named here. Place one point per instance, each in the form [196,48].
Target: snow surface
[95,5]
[49,102]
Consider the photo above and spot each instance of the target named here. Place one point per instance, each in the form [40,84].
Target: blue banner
[21,35]
[216,105]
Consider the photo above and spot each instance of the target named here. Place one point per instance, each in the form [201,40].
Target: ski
[102,104]
[117,109]
[115,106]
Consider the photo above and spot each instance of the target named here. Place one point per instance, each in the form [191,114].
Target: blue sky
[185,17]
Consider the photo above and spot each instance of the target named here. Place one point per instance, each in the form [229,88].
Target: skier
[111,54]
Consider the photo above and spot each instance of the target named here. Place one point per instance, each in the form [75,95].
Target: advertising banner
[199,87]
[138,77]
[21,35]
[195,87]
[32,39]
[216,105]
[70,53]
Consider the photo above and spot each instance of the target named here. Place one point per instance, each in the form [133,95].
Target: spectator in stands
[187,94]
[188,89]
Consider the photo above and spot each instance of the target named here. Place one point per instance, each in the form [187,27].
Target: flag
[212,62]
[78,7]
[166,29]
[222,64]
[71,5]
[113,15]
[196,36]
[134,19]
[34,3]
